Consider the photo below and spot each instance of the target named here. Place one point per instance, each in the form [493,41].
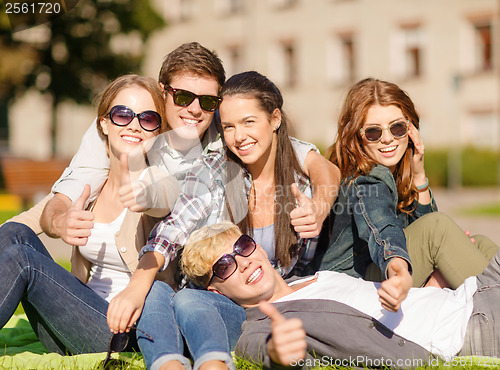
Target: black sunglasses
[185,97]
[121,115]
[374,133]
[227,265]
[118,343]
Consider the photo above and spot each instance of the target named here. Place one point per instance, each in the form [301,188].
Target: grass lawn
[492,210]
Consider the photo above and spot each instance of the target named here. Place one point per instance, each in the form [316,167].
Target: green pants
[435,241]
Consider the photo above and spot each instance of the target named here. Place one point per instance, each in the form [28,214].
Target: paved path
[453,203]
[450,202]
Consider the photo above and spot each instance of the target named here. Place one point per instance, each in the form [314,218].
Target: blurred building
[444,53]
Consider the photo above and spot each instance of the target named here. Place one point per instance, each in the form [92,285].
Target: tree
[92,42]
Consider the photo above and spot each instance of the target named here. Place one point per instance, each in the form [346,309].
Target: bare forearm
[54,210]
[148,267]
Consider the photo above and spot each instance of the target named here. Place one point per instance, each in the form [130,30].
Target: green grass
[6,214]
[482,210]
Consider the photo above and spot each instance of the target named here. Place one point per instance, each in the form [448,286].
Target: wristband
[423,187]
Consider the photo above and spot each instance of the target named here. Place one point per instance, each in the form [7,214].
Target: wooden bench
[31,179]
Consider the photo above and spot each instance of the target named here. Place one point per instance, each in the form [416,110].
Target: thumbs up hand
[393,291]
[288,338]
[75,224]
[303,217]
[132,193]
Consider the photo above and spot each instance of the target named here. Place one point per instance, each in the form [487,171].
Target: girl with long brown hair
[385,212]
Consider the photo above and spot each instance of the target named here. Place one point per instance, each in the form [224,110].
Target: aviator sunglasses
[185,98]
[374,133]
[227,265]
[121,115]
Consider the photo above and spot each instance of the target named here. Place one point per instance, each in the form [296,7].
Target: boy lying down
[335,316]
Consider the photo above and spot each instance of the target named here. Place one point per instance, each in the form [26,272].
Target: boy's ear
[162,87]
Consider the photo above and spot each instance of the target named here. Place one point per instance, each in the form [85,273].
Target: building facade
[444,53]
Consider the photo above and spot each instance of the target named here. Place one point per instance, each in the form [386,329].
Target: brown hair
[192,58]
[347,151]
[109,94]
[202,249]
[253,84]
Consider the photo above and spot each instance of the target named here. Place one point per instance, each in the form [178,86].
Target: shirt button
[123,249]
[401,342]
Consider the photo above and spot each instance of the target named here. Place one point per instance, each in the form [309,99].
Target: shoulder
[378,174]
[302,146]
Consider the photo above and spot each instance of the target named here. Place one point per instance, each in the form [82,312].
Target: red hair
[347,151]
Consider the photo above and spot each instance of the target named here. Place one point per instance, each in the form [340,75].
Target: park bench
[31,179]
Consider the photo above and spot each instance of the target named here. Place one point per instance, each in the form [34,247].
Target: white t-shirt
[109,274]
[436,319]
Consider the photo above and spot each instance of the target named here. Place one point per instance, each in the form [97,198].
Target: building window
[407,48]
[289,65]
[232,57]
[229,7]
[284,66]
[283,4]
[179,10]
[341,59]
[481,130]
[483,46]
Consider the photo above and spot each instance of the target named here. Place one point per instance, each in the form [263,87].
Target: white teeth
[254,275]
[245,147]
[190,121]
[131,138]
[388,149]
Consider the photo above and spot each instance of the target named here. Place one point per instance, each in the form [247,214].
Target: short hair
[192,58]
[126,81]
[202,249]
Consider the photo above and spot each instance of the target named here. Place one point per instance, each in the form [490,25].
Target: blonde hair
[202,249]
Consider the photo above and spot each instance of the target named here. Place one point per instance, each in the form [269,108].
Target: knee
[15,254]
[14,232]
[161,293]
[438,220]
[187,298]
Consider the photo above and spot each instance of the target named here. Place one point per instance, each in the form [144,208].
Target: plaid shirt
[202,202]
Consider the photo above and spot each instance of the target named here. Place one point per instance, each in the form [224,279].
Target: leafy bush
[479,167]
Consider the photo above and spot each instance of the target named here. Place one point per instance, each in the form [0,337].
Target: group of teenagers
[199,226]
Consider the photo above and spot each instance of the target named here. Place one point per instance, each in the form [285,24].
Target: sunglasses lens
[118,342]
[121,115]
[373,133]
[224,267]
[209,103]
[244,246]
[398,129]
[149,120]
[183,97]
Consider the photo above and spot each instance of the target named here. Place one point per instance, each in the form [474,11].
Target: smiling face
[249,131]
[389,150]
[123,139]
[253,281]
[191,122]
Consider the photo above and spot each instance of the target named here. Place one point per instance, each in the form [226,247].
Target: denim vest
[367,226]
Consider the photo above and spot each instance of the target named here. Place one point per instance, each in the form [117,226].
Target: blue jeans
[65,314]
[210,323]
[158,321]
